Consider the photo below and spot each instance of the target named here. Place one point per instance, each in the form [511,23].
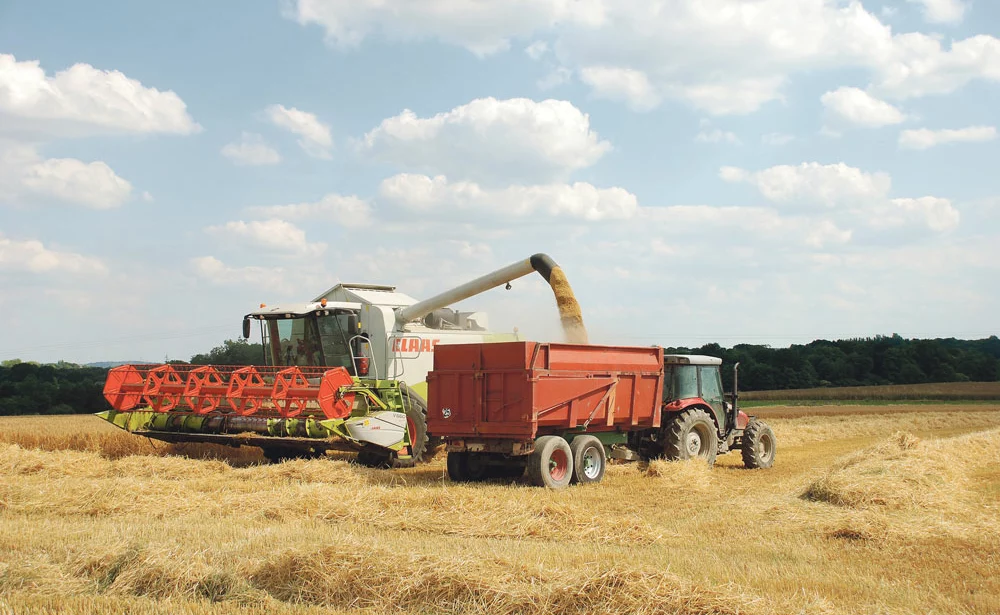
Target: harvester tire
[758,446]
[589,459]
[416,422]
[551,464]
[692,434]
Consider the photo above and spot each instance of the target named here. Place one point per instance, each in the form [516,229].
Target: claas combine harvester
[346,371]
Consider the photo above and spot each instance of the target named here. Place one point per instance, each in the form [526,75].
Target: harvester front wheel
[416,427]
[551,464]
[589,459]
[758,445]
[691,435]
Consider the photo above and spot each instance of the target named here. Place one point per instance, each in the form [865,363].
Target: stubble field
[869,509]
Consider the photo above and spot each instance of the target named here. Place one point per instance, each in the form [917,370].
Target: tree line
[63,388]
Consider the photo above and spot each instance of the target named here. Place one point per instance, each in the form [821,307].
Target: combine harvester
[560,410]
[346,371]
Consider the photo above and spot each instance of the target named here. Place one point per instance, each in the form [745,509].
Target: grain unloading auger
[346,371]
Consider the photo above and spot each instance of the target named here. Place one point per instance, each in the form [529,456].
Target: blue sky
[767,171]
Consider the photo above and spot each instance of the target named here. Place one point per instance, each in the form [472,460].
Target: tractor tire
[416,425]
[589,459]
[692,434]
[551,465]
[758,446]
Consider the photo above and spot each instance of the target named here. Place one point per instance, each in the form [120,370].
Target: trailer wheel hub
[558,465]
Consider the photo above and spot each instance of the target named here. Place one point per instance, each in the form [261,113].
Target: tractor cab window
[680,382]
[711,387]
[311,340]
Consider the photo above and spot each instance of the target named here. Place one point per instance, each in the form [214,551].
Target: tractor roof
[691,359]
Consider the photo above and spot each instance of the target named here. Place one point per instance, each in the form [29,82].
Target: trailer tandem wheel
[589,459]
[551,465]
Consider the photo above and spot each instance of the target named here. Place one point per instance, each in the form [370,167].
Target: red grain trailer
[559,410]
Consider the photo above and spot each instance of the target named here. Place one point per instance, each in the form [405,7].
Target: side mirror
[246,327]
[352,325]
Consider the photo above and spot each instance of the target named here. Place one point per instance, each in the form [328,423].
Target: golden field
[936,391]
[880,510]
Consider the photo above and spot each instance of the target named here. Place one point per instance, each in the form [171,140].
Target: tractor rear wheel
[551,465]
[758,446]
[589,459]
[691,435]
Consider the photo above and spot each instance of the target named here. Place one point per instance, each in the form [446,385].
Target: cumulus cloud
[217,272]
[942,11]
[483,28]
[251,150]
[729,58]
[86,98]
[582,201]
[623,84]
[315,138]
[924,138]
[26,177]
[863,196]
[813,183]
[32,256]
[274,235]
[716,135]
[859,107]
[489,139]
[348,211]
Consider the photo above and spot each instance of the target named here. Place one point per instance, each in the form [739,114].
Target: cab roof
[293,310]
[691,359]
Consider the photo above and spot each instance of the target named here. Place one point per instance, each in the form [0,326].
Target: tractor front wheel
[758,446]
[691,435]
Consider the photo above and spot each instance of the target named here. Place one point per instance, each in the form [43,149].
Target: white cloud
[582,201]
[811,183]
[716,135]
[483,28]
[937,214]
[315,135]
[924,138]
[251,150]
[348,211]
[859,107]
[536,50]
[722,57]
[34,257]
[776,139]
[487,139]
[860,195]
[942,11]
[623,84]
[27,177]
[85,97]
[273,234]
[217,272]
[555,78]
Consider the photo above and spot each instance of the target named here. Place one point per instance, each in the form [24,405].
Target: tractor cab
[688,377]
[320,334]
